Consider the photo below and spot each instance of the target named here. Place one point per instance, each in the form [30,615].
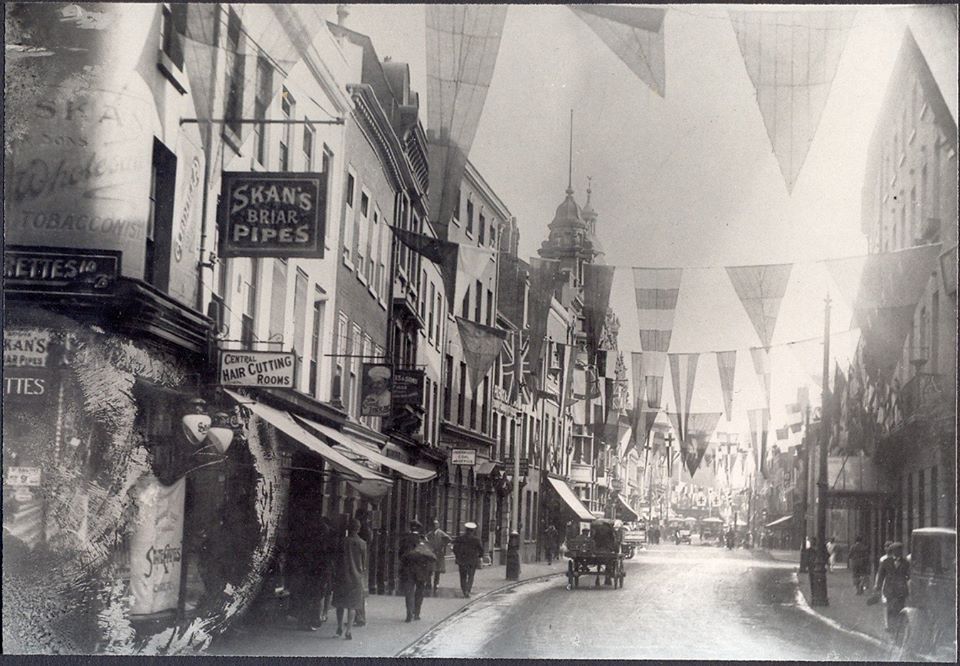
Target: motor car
[931,612]
[683,535]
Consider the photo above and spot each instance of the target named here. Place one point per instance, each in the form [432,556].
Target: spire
[570,165]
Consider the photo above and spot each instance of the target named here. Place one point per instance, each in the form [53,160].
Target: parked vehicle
[683,535]
[931,612]
[634,539]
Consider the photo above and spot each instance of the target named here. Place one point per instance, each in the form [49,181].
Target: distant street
[678,602]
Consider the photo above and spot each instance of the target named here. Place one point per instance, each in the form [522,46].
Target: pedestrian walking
[365,533]
[351,578]
[550,542]
[468,550]
[891,582]
[859,559]
[329,546]
[831,553]
[416,567]
[438,540]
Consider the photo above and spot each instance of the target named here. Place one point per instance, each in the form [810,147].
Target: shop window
[163,177]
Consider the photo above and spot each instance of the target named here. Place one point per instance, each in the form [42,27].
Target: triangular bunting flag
[443,253]
[727,367]
[462,42]
[759,420]
[760,290]
[887,289]
[543,282]
[481,345]
[472,264]
[761,365]
[597,281]
[683,372]
[791,58]
[634,34]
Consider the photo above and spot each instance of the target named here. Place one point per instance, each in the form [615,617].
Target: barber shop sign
[272,214]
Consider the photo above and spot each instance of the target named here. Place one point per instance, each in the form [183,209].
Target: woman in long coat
[348,588]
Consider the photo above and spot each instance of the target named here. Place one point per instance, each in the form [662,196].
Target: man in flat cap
[468,550]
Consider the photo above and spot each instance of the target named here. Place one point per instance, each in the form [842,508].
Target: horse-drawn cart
[600,549]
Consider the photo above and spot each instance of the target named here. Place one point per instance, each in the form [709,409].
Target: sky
[688,180]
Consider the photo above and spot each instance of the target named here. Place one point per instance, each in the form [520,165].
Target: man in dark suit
[468,551]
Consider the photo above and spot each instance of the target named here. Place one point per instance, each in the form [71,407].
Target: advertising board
[256,368]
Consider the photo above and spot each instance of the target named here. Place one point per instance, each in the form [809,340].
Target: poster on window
[376,390]
[156,545]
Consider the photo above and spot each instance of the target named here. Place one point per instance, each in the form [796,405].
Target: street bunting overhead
[634,34]
[761,290]
[683,373]
[727,368]
[759,420]
[462,42]
[883,290]
[481,346]
[597,281]
[791,58]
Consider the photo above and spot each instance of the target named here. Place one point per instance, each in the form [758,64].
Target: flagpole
[818,569]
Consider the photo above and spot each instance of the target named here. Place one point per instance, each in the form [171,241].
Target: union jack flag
[516,366]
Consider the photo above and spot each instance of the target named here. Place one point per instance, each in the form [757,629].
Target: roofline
[472,173]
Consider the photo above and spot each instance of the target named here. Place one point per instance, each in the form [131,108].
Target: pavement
[846,607]
[678,602]
[385,633]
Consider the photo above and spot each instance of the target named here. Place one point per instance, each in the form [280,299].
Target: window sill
[173,73]
[347,262]
[362,278]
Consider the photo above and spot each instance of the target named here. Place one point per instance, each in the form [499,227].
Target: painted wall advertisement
[80,127]
[272,214]
[156,546]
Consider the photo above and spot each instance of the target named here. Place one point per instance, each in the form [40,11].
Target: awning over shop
[628,513]
[485,468]
[350,447]
[571,500]
[779,523]
[364,479]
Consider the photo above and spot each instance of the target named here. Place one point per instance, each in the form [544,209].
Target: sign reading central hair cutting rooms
[273,214]
[256,368]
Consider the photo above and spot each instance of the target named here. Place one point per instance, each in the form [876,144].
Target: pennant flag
[761,365]
[782,434]
[462,42]
[544,279]
[759,420]
[472,264]
[791,58]
[883,291]
[481,345]
[700,429]
[657,291]
[727,367]
[514,363]
[634,34]
[597,281]
[443,253]
[760,290]
[794,417]
[566,386]
[683,372]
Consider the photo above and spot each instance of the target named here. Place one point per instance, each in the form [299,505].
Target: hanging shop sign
[257,368]
[26,348]
[408,387]
[272,214]
[463,457]
[51,270]
[156,547]
[23,476]
[524,465]
[376,389]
